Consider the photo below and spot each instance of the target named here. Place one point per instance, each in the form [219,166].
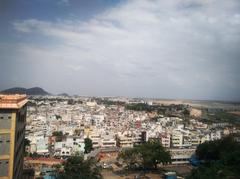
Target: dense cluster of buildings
[56,127]
[112,127]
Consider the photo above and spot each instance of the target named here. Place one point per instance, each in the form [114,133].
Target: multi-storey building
[165,139]
[108,142]
[177,139]
[96,139]
[125,141]
[181,155]
[12,133]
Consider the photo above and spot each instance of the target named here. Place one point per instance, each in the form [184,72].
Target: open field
[202,103]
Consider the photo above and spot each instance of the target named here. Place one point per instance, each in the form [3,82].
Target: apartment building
[181,156]
[108,142]
[96,139]
[177,139]
[165,139]
[12,133]
[125,141]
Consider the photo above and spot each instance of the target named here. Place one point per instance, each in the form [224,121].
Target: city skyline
[161,49]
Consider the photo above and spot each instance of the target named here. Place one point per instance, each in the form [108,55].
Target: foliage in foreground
[221,159]
[145,156]
[77,168]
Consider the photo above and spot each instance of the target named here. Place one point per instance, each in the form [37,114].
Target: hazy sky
[146,48]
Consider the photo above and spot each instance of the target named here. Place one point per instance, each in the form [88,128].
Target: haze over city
[163,49]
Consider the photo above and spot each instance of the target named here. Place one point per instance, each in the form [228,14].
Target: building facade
[12,133]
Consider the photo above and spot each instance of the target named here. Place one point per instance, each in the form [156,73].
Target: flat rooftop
[15,101]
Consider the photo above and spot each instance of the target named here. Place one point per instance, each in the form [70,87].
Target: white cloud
[176,44]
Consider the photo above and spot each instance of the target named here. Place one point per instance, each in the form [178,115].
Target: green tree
[88,145]
[208,151]
[146,156]
[130,158]
[27,142]
[77,168]
[221,159]
[153,153]
[34,155]
[58,135]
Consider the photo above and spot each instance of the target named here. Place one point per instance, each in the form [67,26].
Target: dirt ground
[181,170]
[235,113]
[195,112]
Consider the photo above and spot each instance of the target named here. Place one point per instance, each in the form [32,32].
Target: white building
[108,141]
[124,140]
[180,156]
[177,139]
[42,145]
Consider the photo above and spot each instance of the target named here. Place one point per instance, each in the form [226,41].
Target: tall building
[12,132]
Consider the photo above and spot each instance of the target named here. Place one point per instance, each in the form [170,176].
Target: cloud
[168,48]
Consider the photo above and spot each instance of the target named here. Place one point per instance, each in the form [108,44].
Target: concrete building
[177,139]
[124,141]
[12,133]
[108,142]
[215,135]
[181,156]
[42,145]
[165,139]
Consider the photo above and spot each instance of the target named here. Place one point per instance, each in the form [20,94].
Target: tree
[27,142]
[221,159]
[34,155]
[208,151]
[58,135]
[152,154]
[77,168]
[146,156]
[88,145]
[186,112]
[130,158]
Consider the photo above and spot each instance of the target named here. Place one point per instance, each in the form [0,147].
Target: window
[3,168]
[5,120]
[4,144]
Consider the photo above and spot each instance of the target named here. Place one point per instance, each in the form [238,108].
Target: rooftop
[15,101]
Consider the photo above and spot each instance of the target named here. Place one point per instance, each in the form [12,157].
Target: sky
[179,49]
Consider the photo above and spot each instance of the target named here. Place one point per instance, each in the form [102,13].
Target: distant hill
[29,91]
